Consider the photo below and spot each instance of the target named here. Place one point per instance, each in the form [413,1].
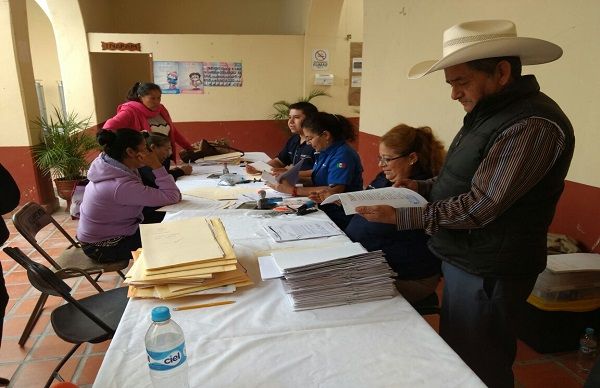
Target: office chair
[92,319]
[72,262]
[428,305]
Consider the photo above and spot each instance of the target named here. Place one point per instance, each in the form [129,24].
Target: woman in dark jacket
[404,152]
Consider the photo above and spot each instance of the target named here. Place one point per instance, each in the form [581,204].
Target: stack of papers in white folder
[331,276]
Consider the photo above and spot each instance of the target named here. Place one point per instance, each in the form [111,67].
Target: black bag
[206,148]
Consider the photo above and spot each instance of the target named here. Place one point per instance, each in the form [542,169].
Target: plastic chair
[92,319]
[428,305]
[72,262]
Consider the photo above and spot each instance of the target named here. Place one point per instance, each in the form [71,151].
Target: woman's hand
[276,171]
[384,214]
[186,168]
[251,170]
[319,196]
[282,187]
[408,183]
[149,159]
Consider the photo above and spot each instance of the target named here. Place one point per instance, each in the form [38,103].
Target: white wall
[329,24]
[43,54]
[272,71]
[400,34]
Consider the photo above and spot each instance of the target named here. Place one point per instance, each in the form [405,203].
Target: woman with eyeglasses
[111,210]
[404,153]
[337,168]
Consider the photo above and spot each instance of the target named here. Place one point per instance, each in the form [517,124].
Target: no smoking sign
[320,59]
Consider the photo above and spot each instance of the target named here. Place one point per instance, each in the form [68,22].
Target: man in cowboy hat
[495,197]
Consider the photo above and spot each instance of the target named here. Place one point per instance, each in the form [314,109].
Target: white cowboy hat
[480,39]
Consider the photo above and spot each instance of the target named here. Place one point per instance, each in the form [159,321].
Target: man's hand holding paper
[384,214]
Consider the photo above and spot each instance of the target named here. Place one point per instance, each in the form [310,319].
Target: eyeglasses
[383,160]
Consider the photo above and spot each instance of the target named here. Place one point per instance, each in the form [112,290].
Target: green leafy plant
[65,144]
[282,108]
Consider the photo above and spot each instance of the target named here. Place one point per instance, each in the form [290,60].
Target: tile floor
[31,365]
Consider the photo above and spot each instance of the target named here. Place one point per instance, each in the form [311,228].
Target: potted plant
[63,150]
[282,108]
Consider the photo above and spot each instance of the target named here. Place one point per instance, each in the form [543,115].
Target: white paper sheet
[301,257]
[574,262]
[280,231]
[397,197]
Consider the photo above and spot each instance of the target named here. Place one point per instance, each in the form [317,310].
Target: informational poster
[223,74]
[355,73]
[179,77]
[192,77]
[166,75]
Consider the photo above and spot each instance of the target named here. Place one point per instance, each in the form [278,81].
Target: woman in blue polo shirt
[337,167]
[404,153]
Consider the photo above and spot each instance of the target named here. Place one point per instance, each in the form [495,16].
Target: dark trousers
[478,320]
[120,251]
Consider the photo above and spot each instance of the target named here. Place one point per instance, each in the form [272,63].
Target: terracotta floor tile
[7,370]
[35,373]
[102,347]
[13,326]
[89,370]
[12,352]
[26,305]
[525,352]
[17,277]
[570,362]
[8,264]
[17,291]
[9,306]
[545,375]
[52,346]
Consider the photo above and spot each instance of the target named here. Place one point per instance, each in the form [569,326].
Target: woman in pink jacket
[144,112]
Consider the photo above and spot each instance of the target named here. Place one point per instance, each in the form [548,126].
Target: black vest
[513,244]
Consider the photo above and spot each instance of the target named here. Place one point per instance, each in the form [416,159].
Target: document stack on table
[330,276]
[231,157]
[185,257]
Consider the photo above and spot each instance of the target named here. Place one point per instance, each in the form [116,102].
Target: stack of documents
[330,276]
[185,257]
[570,282]
[231,157]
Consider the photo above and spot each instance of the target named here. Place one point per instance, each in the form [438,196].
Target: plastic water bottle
[165,346]
[588,350]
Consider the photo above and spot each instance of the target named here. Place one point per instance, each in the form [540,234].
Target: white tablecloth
[260,342]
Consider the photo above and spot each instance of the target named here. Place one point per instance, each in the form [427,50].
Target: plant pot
[64,189]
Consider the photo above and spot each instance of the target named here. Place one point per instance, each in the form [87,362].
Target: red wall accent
[33,185]
[268,136]
[368,148]
[578,215]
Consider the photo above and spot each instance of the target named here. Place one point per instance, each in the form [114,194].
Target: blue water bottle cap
[589,331]
[160,314]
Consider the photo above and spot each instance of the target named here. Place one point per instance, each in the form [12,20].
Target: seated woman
[111,210]
[404,152]
[337,169]
[161,145]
